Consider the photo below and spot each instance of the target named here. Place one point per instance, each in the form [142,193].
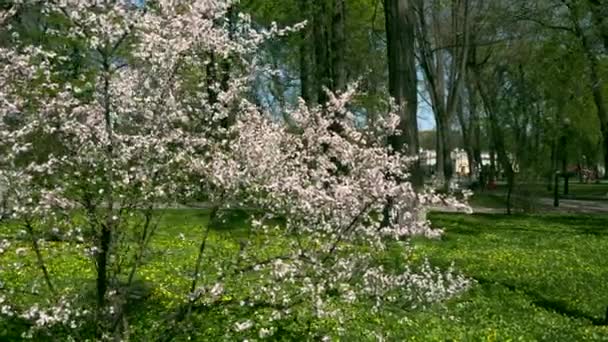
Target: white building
[459,157]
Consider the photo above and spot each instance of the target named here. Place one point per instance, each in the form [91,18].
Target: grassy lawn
[538,278]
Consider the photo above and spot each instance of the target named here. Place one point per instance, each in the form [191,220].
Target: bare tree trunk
[338,46]
[105,237]
[39,259]
[321,39]
[503,158]
[226,67]
[599,15]
[444,72]
[466,131]
[553,165]
[307,55]
[498,141]
[474,132]
[444,148]
[400,32]
[492,174]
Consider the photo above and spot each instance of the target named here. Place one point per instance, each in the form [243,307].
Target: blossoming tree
[153,118]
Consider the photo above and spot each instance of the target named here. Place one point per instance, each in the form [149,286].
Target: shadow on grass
[558,306]
[596,231]
[477,224]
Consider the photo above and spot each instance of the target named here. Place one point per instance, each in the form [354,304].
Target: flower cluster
[153,117]
[62,314]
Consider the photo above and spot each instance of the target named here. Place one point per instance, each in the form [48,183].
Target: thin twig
[39,258]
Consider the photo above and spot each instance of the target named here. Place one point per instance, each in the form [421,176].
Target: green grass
[538,278]
[488,200]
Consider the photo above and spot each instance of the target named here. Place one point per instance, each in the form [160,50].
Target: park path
[576,206]
[545,205]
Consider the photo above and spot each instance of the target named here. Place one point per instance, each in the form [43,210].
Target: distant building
[459,157]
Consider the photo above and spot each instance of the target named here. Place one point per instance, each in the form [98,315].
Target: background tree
[402,77]
[443,53]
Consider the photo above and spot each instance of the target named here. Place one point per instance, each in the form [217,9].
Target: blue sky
[426,120]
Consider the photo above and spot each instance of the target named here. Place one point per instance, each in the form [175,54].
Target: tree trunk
[498,141]
[105,236]
[599,15]
[510,186]
[553,165]
[403,82]
[475,132]
[492,173]
[476,129]
[338,47]
[444,70]
[307,56]
[503,158]
[323,72]
[465,129]
[563,153]
[444,158]
[226,67]
[605,155]
[102,264]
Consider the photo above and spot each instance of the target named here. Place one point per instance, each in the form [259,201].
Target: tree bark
[498,141]
[599,15]
[466,128]
[474,132]
[323,74]
[444,72]
[444,144]
[307,55]
[338,46]
[105,236]
[403,82]
[226,66]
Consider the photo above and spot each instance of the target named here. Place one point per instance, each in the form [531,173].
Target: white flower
[4,245]
[242,326]
[6,310]
[264,332]
[217,290]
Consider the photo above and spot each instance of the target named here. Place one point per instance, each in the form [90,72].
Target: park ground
[537,197]
[537,277]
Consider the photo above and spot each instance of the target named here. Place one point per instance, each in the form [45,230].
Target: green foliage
[365,56]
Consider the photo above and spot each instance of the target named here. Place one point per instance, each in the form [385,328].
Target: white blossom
[147,136]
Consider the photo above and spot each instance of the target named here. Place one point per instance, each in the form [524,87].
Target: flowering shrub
[155,117]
